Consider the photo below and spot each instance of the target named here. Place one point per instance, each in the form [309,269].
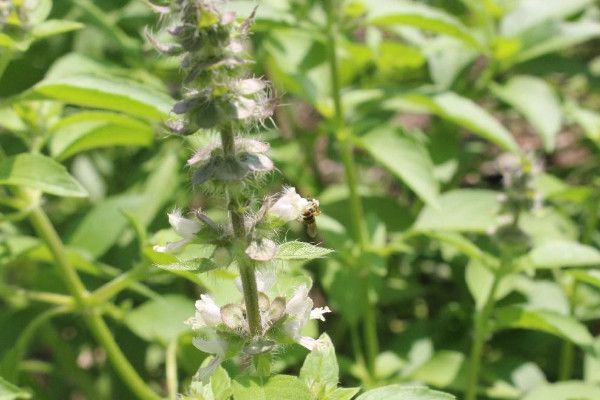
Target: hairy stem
[356,209]
[246,268]
[45,230]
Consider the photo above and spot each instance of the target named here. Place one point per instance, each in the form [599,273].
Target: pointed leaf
[562,253]
[461,210]
[320,369]
[537,101]
[39,172]
[406,158]
[103,92]
[300,251]
[565,391]
[420,16]
[546,321]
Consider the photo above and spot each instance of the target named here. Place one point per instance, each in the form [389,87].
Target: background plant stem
[356,208]
[479,337]
[45,230]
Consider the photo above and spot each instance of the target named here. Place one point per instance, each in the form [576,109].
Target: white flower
[289,206]
[300,309]
[207,313]
[317,313]
[186,228]
[264,281]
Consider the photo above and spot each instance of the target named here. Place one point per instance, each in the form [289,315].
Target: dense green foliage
[461,266]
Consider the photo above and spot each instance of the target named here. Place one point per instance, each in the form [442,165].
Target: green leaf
[461,210]
[480,280]
[342,286]
[342,394]
[551,322]
[529,14]
[537,101]
[88,130]
[555,37]
[39,172]
[197,265]
[588,120]
[445,369]
[101,227]
[320,370]
[300,251]
[573,390]
[398,392]
[466,113]
[161,319]
[562,253]
[420,16]
[591,277]
[276,387]
[54,27]
[406,158]
[127,96]
[8,391]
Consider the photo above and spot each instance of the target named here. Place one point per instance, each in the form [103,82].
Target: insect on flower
[308,217]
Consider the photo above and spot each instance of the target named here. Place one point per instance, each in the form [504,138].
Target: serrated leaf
[320,369]
[300,251]
[461,210]
[551,322]
[562,253]
[406,158]
[161,319]
[537,101]
[89,130]
[398,392]
[276,387]
[39,172]
[420,16]
[197,265]
[8,391]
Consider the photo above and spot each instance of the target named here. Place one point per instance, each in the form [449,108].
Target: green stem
[567,349]
[480,335]
[356,209]
[171,370]
[45,230]
[112,288]
[247,275]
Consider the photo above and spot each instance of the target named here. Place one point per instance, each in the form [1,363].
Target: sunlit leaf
[39,172]
[406,158]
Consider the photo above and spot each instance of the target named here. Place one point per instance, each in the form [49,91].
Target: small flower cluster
[276,211]
[520,195]
[220,97]
[282,321]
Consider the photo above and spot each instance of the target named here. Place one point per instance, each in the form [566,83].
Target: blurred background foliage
[424,99]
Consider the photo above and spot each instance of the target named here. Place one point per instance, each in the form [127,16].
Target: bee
[308,217]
